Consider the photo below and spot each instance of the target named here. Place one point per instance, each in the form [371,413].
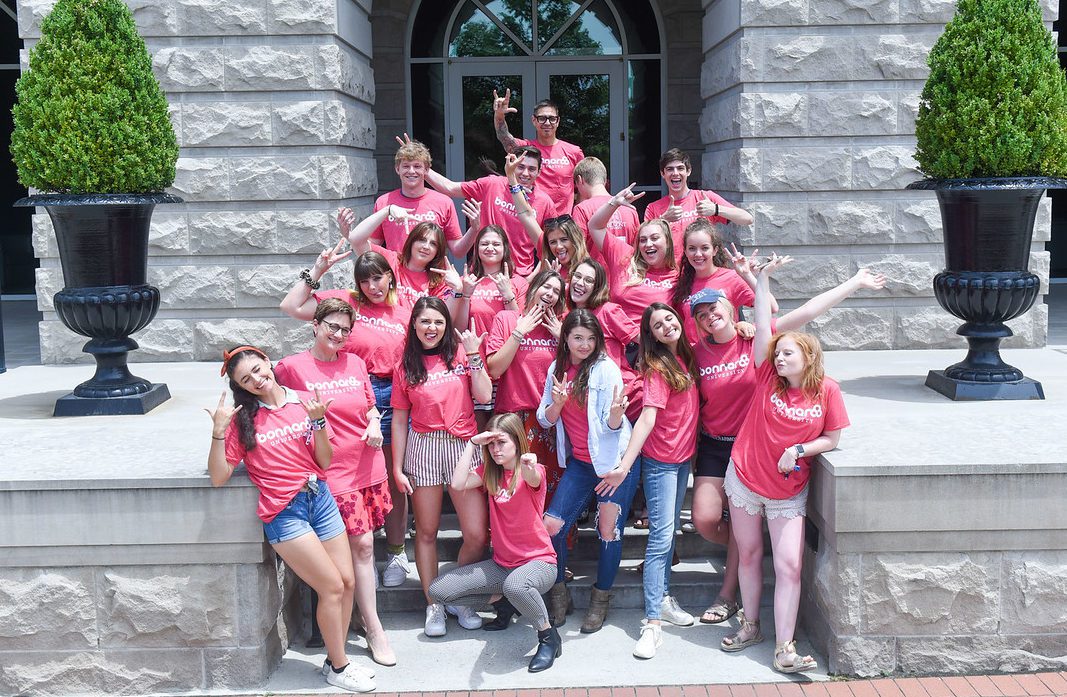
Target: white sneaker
[351,680]
[651,639]
[435,620]
[396,570]
[468,618]
[327,668]
[669,611]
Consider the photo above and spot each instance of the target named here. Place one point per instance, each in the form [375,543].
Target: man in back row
[558,157]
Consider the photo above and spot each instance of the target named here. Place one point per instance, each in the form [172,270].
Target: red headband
[227,355]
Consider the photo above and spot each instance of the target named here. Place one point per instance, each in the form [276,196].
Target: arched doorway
[600,60]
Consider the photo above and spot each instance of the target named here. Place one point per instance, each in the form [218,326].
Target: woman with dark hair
[641,274]
[523,563]
[583,398]
[283,439]
[664,439]
[421,268]
[378,329]
[796,413]
[706,264]
[357,475]
[488,286]
[441,374]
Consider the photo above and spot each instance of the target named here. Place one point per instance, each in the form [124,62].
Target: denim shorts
[306,512]
[383,395]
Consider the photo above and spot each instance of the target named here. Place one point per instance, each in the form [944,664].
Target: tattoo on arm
[505,137]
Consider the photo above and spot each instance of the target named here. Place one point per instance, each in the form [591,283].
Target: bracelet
[475,353]
[515,188]
[716,210]
[318,424]
[305,275]
[517,335]
[508,301]
[214,437]
[476,362]
[458,294]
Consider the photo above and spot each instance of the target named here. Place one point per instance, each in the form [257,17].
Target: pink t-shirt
[521,385]
[515,522]
[576,422]
[737,291]
[557,171]
[657,286]
[727,381]
[689,213]
[775,423]
[378,332]
[674,437]
[355,465]
[486,302]
[432,207]
[283,458]
[443,402]
[412,285]
[622,224]
[499,209]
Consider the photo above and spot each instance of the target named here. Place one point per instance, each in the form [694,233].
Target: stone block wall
[272,102]
[808,122]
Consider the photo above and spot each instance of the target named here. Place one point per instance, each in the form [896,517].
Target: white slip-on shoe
[669,611]
[435,620]
[651,639]
[468,618]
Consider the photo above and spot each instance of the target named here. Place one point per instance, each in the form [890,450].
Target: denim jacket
[606,446]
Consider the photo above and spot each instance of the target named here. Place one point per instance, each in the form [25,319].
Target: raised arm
[527,215]
[763,307]
[824,301]
[298,302]
[218,468]
[359,236]
[710,209]
[743,267]
[501,108]
[598,224]
[481,385]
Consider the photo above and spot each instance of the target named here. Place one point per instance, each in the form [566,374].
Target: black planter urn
[103,249]
[988,226]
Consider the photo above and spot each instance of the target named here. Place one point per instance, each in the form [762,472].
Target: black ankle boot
[504,612]
[549,648]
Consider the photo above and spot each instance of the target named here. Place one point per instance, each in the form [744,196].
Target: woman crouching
[524,563]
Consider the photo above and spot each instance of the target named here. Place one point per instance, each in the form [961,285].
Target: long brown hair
[541,279]
[601,292]
[579,319]
[414,353]
[579,251]
[655,357]
[638,266]
[249,403]
[511,426]
[814,372]
[417,234]
[505,259]
[687,275]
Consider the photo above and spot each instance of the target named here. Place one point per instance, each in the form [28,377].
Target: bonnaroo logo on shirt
[391,327]
[339,385]
[794,413]
[276,436]
[441,375]
[646,281]
[529,344]
[427,217]
[505,205]
[555,161]
[726,368]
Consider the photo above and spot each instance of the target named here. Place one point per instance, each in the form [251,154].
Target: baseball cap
[705,297]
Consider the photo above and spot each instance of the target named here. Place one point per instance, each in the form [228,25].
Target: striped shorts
[430,458]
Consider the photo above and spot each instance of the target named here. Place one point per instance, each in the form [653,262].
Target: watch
[800,450]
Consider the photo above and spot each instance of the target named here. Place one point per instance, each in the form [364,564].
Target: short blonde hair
[591,170]
[413,151]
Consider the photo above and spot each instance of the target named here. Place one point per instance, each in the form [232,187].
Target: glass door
[592,99]
[471,136]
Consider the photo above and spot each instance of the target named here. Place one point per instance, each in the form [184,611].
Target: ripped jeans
[572,495]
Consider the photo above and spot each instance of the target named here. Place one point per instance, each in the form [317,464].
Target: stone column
[809,122]
[272,103]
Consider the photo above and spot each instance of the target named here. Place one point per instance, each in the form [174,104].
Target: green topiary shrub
[995,103]
[90,116]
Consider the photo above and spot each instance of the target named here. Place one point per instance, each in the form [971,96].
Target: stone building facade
[801,111]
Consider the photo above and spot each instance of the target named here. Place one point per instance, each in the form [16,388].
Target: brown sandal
[787,660]
[735,642]
[720,611]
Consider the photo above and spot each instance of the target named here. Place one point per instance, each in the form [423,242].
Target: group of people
[581,354]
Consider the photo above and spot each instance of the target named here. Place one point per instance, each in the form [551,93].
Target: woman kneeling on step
[796,413]
[523,564]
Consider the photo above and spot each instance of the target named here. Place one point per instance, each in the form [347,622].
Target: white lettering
[297,428]
[391,327]
[555,161]
[725,368]
[529,344]
[795,413]
[657,284]
[427,217]
[333,385]
[507,206]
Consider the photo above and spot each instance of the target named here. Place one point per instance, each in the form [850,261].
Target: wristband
[214,437]
[515,188]
[305,276]
[457,294]
[517,335]
[318,424]
[716,210]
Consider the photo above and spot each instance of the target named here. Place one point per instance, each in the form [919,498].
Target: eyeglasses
[332,328]
[558,220]
[546,119]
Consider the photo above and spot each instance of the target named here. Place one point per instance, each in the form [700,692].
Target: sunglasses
[332,328]
[547,119]
[558,220]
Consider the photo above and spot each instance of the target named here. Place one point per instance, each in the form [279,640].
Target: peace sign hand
[329,257]
[561,391]
[315,407]
[406,140]
[552,323]
[221,417]
[742,264]
[619,404]
[451,276]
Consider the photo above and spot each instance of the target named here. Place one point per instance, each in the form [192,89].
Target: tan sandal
[787,660]
[737,642]
[720,611]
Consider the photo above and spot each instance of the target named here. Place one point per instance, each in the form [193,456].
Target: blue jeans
[665,484]
[572,496]
[383,393]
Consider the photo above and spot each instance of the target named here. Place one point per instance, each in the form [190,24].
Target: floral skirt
[364,510]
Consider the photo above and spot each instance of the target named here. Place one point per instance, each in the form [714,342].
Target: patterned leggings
[473,584]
